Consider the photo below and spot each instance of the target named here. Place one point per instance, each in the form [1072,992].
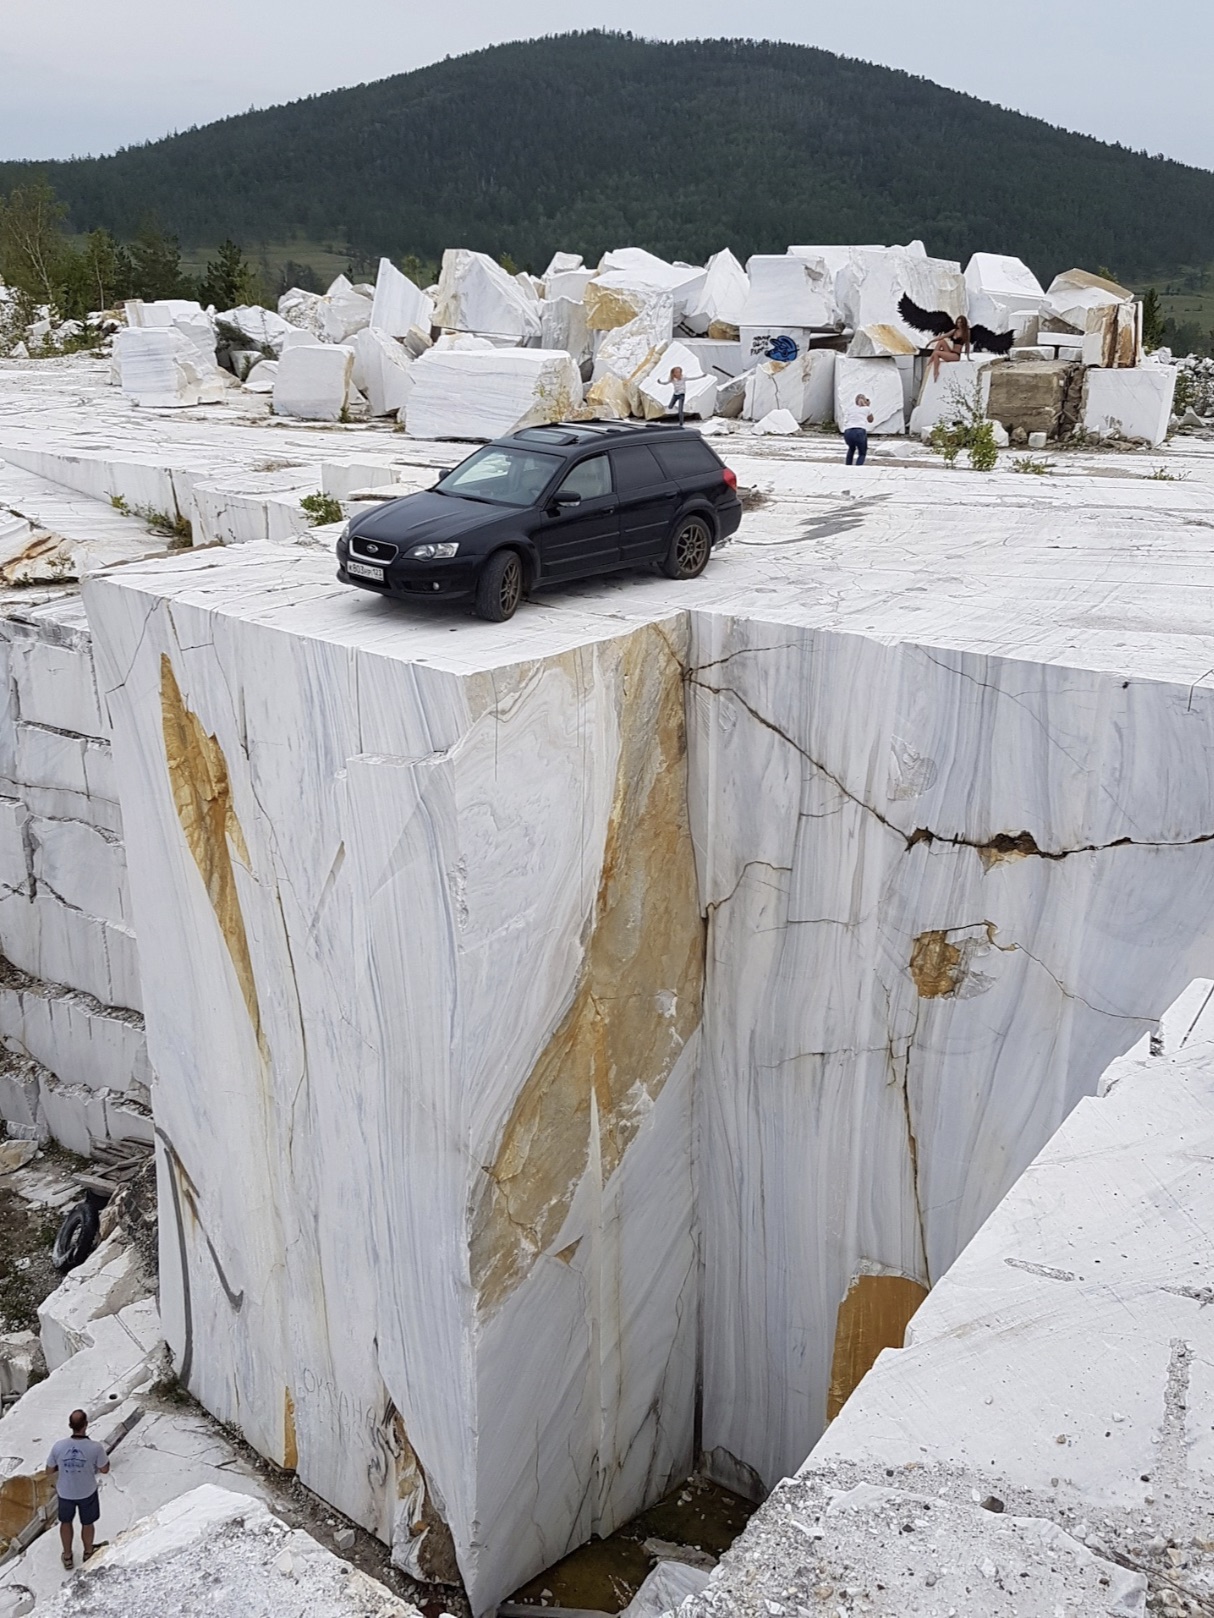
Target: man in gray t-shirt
[75,1463]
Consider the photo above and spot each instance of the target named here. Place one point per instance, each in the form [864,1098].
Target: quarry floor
[1105,562]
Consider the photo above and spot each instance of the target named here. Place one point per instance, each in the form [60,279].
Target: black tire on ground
[499,589]
[689,549]
[76,1238]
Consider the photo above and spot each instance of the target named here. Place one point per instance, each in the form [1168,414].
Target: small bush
[322,508]
[967,430]
[1031,465]
[176,528]
[1161,474]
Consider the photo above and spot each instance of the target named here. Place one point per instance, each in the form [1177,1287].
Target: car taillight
[731,478]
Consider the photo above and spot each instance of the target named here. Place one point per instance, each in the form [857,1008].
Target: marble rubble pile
[1014,1467]
[215,1550]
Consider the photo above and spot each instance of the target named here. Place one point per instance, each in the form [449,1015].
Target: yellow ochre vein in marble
[638,998]
[202,795]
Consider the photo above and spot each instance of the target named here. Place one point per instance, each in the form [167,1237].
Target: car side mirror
[566,499]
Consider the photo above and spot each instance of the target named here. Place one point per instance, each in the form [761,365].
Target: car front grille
[374,550]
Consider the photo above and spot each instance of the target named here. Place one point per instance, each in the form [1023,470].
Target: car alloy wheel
[688,554]
[500,587]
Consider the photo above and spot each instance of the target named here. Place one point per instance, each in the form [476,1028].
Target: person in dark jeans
[75,1464]
[857,419]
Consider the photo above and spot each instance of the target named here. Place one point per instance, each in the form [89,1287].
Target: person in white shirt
[75,1463]
[678,382]
[857,419]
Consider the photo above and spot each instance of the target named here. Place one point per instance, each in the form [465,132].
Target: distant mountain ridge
[591,140]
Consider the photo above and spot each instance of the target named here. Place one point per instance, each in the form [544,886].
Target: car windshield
[502,476]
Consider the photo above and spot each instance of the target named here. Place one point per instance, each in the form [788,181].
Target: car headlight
[430,553]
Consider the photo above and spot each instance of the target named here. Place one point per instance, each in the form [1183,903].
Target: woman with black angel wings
[952,335]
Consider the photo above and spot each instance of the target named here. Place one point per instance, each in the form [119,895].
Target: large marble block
[476,295]
[424,962]
[485,392]
[313,381]
[872,283]
[721,301]
[788,292]
[957,392]
[805,387]
[633,270]
[160,366]
[382,371]
[1135,403]
[974,881]
[998,288]
[398,304]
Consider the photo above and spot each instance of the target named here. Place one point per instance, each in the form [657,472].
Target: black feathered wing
[935,321]
[991,342]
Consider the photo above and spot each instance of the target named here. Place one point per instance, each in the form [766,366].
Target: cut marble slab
[398,304]
[722,300]
[314,381]
[786,292]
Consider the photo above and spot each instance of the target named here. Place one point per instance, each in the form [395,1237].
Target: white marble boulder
[160,367]
[476,295]
[485,392]
[999,288]
[1135,404]
[804,386]
[382,371]
[398,305]
[717,309]
[314,381]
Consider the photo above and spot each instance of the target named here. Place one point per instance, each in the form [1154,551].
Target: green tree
[419,271]
[1152,319]
[34,252]
[156,266]
[229,279]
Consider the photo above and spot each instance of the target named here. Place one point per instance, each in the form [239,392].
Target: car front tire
[689,549]
[499,588]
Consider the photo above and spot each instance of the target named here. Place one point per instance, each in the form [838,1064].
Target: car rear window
[501,476]
[686,458]
[635,468]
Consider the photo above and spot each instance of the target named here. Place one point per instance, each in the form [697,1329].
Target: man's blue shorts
[89,1509]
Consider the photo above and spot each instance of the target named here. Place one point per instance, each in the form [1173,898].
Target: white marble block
[476,295]
[629,351]
[313,381]
[721,301]
[160,366]
[437,1215]
[804,386]
[881,381]
[999,288]
[399,305]
[563,326]
[788,292]
[1135,403]
[382,371]
[955,393]
[483,393]
[633,270]
[872,283]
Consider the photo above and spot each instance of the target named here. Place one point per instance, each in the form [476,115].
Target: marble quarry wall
[73,1059]
[566,1061]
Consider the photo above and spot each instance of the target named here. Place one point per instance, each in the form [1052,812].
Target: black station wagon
[546,505]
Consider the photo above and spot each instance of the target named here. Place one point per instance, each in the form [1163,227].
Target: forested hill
[591,140]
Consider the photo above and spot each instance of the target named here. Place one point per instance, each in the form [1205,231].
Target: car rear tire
[689,549]
[499,589]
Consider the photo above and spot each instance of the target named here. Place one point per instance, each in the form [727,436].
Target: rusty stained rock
[874,1315]
[942,960]
[21,1499]
[202,795]
[638,998]
[290,1447]
[610,307]
[431,1555]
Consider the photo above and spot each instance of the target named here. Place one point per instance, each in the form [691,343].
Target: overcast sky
[76,77]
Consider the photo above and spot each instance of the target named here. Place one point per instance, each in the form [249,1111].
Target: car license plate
[363,570]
